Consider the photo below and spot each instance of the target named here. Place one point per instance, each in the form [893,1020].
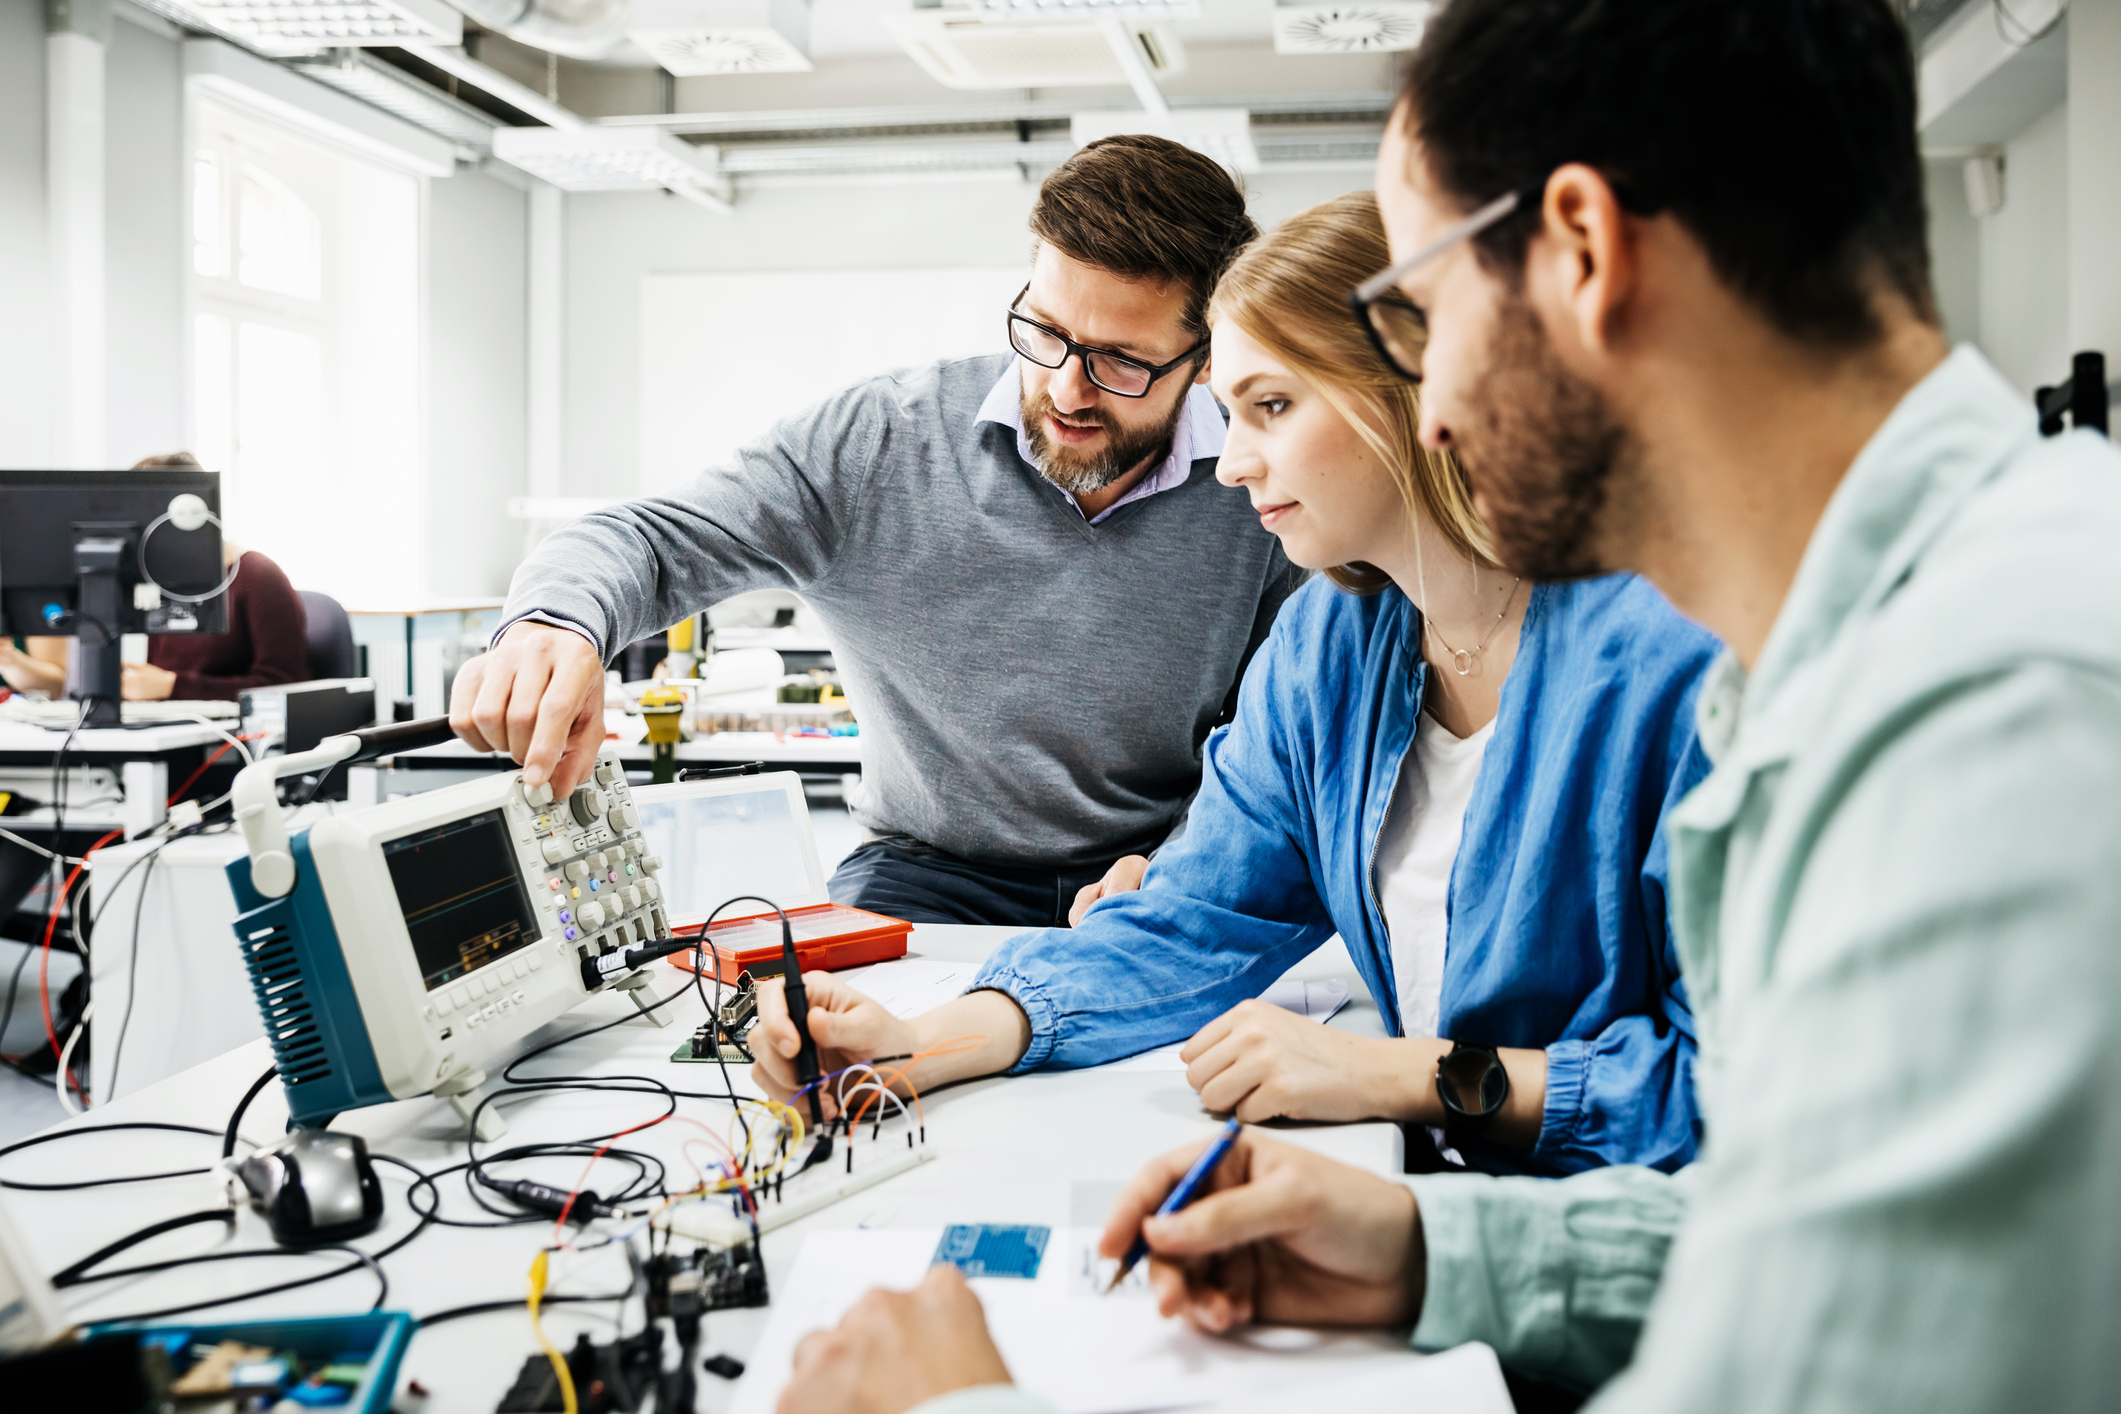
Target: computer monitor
[96,554]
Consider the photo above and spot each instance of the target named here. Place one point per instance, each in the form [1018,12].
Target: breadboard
[829,1183]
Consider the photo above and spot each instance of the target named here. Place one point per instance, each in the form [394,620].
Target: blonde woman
[1462,774]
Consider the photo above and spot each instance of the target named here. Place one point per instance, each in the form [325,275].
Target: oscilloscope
[395,948]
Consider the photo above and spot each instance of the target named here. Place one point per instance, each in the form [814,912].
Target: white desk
[1007,1151]
[139,760]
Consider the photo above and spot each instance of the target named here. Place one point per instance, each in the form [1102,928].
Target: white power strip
[828,1184]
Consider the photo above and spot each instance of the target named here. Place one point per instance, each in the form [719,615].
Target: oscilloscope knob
[587,804]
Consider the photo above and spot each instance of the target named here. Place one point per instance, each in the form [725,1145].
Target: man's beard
[1080,473]
[1542,458]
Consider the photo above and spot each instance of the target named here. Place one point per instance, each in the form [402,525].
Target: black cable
[78,1272]
[363,1259]
[228,1136]
[371,1260]
[132,968]
[35,1140]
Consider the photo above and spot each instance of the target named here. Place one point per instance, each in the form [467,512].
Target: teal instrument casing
[427,934]
[306,998]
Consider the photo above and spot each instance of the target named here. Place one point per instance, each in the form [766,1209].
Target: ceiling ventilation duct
[1375,28]
[306,26]
[1039,43]
[695,37]
[579,29]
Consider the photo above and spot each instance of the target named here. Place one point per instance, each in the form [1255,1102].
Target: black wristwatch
[1471,1082]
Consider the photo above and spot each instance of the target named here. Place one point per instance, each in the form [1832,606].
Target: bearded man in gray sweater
[1041,598]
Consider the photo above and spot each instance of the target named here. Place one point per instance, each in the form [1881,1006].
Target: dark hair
[1147,208]
[1780,132]
[177,459]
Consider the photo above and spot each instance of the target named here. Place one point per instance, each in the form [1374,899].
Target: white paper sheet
[1317,1000]
[908,986]
[1089,1354]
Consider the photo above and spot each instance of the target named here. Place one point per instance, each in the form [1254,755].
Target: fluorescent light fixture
[614,159]
[305,26]
[690,38]
[1375,28]
[1224,134]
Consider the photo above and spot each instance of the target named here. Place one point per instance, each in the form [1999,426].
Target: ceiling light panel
[1376,28]
[691,38]
[305,26]
[607,159]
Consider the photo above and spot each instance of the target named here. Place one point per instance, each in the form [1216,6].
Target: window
[306,352]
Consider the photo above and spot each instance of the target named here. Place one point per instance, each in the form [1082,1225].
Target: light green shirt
[1899,905]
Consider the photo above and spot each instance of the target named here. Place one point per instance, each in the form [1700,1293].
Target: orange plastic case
[828,937]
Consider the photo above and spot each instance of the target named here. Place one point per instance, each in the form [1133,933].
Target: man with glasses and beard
[1041,599]
[1662,271]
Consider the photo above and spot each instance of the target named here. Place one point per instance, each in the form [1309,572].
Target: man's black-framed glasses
[1114,372]
[1396,327]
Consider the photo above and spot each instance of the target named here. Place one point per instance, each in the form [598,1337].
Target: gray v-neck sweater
[1032,689]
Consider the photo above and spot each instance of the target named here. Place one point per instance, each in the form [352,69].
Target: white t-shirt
[1414,859]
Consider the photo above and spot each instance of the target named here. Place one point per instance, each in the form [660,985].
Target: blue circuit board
[988,1250]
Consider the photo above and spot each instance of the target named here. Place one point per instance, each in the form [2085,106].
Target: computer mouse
[314,1186]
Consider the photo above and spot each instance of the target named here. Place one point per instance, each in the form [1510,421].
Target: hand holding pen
[1272,1234]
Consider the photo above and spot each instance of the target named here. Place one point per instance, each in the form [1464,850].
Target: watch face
[1473,1082]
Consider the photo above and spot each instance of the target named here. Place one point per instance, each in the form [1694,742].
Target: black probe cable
[82,1271]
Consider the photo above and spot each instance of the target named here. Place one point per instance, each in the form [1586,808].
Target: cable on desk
[78,1272]
[35,1140]
[371,1260]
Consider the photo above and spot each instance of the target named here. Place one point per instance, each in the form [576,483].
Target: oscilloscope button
[607,772]
[577,869]
[552,849]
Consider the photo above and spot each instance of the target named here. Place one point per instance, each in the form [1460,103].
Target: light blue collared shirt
[1201,433]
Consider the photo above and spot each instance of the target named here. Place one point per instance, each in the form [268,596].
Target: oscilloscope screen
[461,894]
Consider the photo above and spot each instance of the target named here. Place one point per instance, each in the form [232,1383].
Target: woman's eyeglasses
[1113,372]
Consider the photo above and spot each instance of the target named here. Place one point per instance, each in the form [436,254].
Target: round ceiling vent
[1348,29]
[690,53]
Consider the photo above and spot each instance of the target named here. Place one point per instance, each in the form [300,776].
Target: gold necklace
[1462,659]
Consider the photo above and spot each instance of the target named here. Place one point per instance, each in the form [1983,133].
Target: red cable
[44,961]
[178,794]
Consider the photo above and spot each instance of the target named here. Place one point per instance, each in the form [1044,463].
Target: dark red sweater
[267,641]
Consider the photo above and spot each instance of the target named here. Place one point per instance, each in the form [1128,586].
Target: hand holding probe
[806,1067]
[1188,1189]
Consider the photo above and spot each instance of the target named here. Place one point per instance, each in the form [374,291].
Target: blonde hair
[1289,291]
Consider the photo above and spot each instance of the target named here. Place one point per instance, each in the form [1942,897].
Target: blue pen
[1188,1189]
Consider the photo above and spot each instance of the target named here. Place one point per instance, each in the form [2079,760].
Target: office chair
[331,644]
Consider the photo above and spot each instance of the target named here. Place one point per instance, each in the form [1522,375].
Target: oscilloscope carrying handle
[256,796]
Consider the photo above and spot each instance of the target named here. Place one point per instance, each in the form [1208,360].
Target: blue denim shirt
[1559,935]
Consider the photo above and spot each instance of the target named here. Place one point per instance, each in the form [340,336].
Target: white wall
[2025,289]
[476,409]
[614,239]
[25,421]
[1955,251]
[146,181]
